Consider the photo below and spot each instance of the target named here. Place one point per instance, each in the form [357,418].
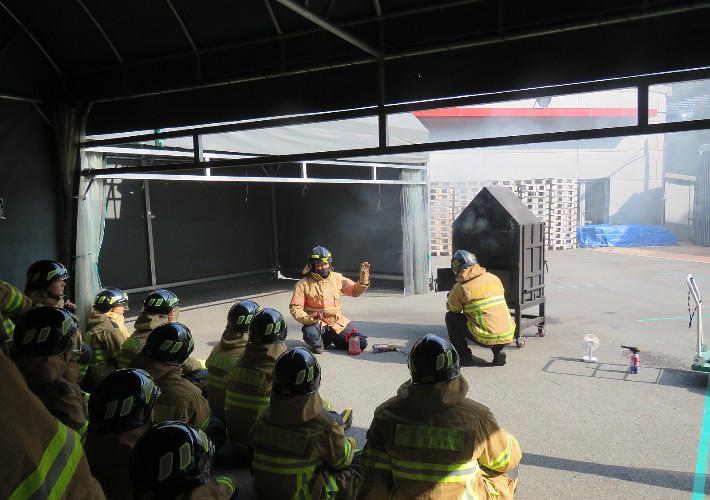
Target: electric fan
[591,342]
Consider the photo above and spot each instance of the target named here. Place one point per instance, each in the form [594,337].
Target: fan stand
[590,358]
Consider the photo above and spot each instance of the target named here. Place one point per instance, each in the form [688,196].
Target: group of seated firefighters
[155,416]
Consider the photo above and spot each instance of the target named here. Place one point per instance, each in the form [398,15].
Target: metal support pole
[275,230]
[149,224]
[643,104]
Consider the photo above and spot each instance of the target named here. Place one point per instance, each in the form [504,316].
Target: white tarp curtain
[415,228]
[89,235]
[355,133]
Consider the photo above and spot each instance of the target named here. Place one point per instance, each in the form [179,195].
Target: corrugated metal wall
[702,199]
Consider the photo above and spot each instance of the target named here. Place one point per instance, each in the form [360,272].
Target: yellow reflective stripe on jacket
[15,299]
[247,401]
[438,473]
[219,361]
[215,381]
[348,448]
[205,424]
[285,465]
[484,304]
[130,345]
[55,469]
[452,307]
[82,432]
[502,459]
[487,335]
[228,481]
[376,459]
[8,326]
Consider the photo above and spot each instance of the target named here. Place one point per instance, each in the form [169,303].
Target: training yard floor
[587,430]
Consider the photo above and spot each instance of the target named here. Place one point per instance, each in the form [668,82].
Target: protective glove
[365,273]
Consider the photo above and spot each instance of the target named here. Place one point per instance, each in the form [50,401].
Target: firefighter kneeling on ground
[477,311]
[431,441]
[316,302]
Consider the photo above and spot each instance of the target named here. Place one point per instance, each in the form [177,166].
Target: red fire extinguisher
[353,339]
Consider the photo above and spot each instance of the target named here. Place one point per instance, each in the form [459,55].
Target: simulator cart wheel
[541,331]
[520,342]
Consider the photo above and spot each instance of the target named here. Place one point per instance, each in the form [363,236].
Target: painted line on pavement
[569,286]
[702,462]
[676,317]
[686,274]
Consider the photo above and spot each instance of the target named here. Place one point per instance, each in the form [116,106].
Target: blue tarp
[624,235]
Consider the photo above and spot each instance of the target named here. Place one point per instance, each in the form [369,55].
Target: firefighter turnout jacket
[53,379]
[230,347]
[248,387]
[146,323]
[430,441]
[42,458]
[179,399]
[481,297]
[12,302]
[300,451]
[219,488]
[108,455]
[106,334]
[314,295]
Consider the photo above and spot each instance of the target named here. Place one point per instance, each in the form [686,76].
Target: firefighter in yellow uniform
[175,461]
[45,286]
[41,458]
[120,413]
[230,348]
[430,441]
[12,302]
[160,307]
[165,350]
[317,304]
[248,381]
[45,339]
[106,332]
[477,311]
[300,449]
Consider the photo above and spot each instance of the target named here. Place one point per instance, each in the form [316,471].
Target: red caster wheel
[541,331]
[520,342]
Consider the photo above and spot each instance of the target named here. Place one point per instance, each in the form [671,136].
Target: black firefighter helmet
[296,373]
[43,273]
[322,255]
[461,260]
[433,359]
[240,315]
[267,327]
[108,298]
[170,343]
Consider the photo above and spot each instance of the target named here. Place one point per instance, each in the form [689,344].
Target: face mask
[323,273]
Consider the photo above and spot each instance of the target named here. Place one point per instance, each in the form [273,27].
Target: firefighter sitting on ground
[316,301]
[160,307]
[163,355]
[120,413]
[106,332]
[430,441]
[175,461]
[477,311]
[229,348]
[300,449]
[45,286]
[45,340]
[248,381]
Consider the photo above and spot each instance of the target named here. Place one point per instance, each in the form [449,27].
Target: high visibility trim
[55,469]
[341,322]
[452,307]
[219,361]
[247,401]
[439,473]
[285,466]
[347,455]
[215,381]
[283,439]
[504,458]
[298,300]
[83,369]
[82,431]
[246,376]
[484,303]
[376,459]
[14,302]
[322,302]
[205,424]
[349,288]
[228,481]
[8,326]
[486,336]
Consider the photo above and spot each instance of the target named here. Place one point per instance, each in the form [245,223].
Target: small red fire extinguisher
[354,342]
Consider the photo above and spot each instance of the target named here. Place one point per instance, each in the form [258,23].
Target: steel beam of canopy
[182,25]
[623,131]
[34,40]
[327,25]
[275,180]
[101,30]
[392,109]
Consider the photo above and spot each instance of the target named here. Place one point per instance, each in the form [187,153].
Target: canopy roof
[157,64]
